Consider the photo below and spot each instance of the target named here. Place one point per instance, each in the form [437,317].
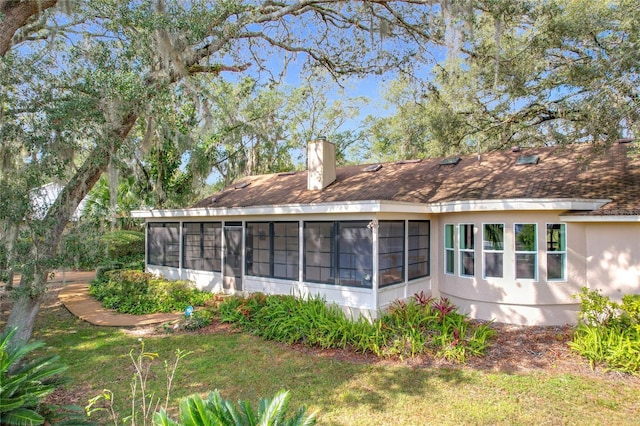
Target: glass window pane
[493,236]
[525,237]
[493,265]
[556,238]
[526,265]
[467,260]
[556,266]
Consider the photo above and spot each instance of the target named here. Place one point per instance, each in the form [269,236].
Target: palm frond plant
[24,384]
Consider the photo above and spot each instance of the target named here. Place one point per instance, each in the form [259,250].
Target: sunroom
[358,261]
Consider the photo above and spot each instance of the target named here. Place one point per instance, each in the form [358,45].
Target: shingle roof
[578,171]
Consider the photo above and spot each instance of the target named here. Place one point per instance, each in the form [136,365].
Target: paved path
[75,297]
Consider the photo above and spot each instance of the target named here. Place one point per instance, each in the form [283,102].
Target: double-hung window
[449,249]
[467,250]
[556,252]
[526,250]
[493,249]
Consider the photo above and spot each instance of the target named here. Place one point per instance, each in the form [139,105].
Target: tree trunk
[16,15]
[12,237]
[24,310]
[33,288]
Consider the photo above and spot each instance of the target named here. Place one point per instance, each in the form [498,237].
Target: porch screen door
[232,271]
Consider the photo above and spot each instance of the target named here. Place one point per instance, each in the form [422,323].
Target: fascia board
[378,207]
[601,218]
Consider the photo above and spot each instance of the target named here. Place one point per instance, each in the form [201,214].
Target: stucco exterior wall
[613,258]
[519,301]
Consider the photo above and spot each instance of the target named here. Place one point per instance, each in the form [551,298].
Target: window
[419,256]
[272,249]
[338,253]
[319,249]
[258,249]
[286,254]
[467,248]
[390,252]
[163,244]
[493,248]
[556,252]
[202,246]
[526,251]
[449,249]
[355,254]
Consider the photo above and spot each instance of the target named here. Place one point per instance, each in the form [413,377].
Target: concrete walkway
[74,295]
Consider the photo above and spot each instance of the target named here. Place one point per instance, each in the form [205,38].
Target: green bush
[608,333]
[419,326]
[124,246]
[137,292]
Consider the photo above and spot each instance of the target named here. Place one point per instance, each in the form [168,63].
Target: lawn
[343,392]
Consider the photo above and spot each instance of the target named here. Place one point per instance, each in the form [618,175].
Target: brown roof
[578,171]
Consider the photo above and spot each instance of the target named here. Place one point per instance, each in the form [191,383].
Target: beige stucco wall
[507,299]
[613,258]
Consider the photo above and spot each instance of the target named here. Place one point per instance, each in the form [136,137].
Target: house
[509,235]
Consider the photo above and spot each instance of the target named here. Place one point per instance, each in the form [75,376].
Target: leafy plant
[23,385]
[609,333]
[217,411]
[408,328]
[137,292]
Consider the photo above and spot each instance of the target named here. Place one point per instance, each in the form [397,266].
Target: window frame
[463,250]
[268,250]
[384,272]
[486,251]
[427,239]
[562,253]
[450,250]
[215,247]
[165,250]
[526,252]
[337,256]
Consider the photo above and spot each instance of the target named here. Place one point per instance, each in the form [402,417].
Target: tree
[132,57]
[521,73]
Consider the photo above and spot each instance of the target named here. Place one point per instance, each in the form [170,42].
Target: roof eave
[373,206]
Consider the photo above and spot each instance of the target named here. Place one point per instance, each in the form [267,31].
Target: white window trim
[453,249]
[461,251]
[517,252]
[484,274]
[564,252]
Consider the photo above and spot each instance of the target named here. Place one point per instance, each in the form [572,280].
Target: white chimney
[321,164]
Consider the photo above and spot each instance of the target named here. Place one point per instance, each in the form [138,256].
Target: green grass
[243,366]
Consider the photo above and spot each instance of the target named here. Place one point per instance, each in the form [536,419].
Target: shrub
[124,246]
[609,333]
[137,292]
[421,325]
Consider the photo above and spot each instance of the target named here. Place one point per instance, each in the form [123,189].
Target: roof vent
[419,160]
[450,161]
[515,148]
[286,174]
[625,140]
[527,159]
[241,185]
[372,168]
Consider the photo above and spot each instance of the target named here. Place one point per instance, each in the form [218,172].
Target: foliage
[124,246]
[198,319]
[412,328]
[23,384]
[608,332]
[216,411]
[137,292]
[144,403]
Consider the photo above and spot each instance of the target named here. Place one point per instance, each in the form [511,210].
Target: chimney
[321,164]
